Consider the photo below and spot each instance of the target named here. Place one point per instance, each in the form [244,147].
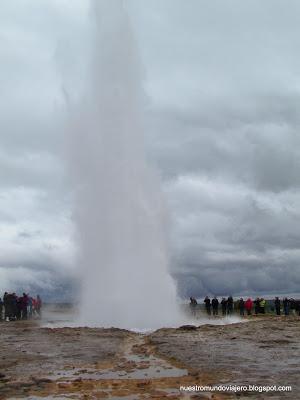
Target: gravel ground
[96,363]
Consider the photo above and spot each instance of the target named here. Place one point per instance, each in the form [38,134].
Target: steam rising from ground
[119,211]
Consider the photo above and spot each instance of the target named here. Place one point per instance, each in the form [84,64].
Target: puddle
[171,391]
[139,372]
[132,366]
[131,397]
[56,397]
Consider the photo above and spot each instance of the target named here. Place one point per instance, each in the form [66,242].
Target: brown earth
[96,363]
[263,351]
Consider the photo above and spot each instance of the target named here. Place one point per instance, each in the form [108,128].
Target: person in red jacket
[248,306]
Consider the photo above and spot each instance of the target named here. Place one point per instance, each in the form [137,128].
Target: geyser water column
[118,205]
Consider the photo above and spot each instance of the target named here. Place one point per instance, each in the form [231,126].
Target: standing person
[29,307]
[207,305]
[34,312]
[19,307]
[248,306]
[9,307]
[298,307]
[224,306]
[1,309]
[229,305]
[24,304]
[215,305]
[262,305]
[39,305]
[242,306]
[5,305]
[292,305]
[277,305]
[14,306]
[256,305]
[193,305]
[286,306]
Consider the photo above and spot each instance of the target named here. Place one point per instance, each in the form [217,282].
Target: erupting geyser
[118,208]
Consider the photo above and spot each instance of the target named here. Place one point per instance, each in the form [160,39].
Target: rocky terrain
[95,363]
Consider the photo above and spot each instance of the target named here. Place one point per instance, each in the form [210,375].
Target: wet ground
[94,363]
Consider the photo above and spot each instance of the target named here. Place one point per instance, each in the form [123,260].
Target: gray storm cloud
[222,85]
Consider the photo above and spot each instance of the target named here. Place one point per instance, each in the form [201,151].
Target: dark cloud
[230,234]
[253,145]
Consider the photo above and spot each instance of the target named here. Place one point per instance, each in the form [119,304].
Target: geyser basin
[119,212]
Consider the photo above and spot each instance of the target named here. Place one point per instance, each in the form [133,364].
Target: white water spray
[119,212]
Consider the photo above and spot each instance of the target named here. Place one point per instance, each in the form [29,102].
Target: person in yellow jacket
[262,305]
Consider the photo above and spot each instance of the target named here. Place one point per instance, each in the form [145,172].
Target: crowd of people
[249,306]
[14,307]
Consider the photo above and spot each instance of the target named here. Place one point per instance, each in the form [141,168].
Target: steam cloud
[119,209]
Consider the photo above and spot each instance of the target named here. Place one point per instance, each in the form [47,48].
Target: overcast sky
[222,115]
